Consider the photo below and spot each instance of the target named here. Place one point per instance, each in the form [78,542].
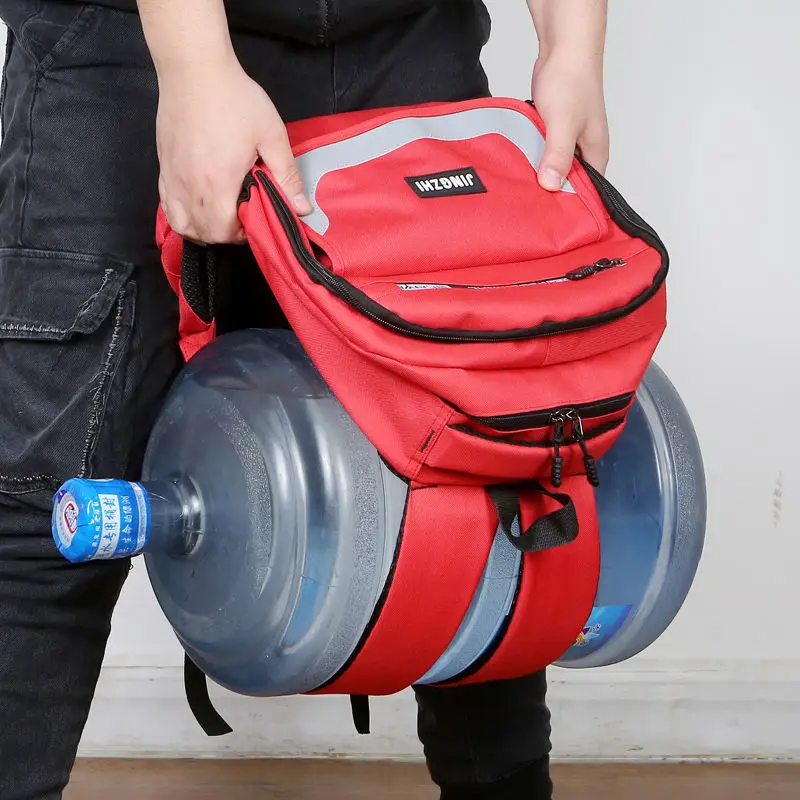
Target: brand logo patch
[71,517]
[447,184]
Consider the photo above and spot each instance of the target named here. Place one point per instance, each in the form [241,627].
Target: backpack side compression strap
[556,596]
[429,594]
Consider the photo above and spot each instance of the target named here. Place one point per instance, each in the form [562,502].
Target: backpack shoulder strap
[196,686]
[426,596]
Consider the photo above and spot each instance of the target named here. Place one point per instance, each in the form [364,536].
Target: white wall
[702,101]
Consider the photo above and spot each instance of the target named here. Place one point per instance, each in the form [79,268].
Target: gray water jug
[268,524]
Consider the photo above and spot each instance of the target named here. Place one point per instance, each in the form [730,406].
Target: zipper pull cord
[557,469]
[601,265]
[588,459]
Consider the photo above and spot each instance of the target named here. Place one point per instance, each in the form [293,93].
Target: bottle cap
[100,519]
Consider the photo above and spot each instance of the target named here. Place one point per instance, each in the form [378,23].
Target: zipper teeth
[596,267]
[586,410]
[606,427]
[543,282]
[342,289]
[325,18]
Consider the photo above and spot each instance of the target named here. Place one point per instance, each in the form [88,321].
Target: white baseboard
[743,710]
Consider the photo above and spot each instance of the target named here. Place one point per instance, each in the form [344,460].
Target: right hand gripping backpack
[486,335]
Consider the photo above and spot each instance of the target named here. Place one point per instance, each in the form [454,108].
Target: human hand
[568,94]
[213,124]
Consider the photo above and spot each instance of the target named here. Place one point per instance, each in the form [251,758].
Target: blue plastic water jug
[268,524]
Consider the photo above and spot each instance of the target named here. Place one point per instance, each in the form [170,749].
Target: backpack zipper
[388,319]
[559,421]
[544,417]
[578,436]
[579,274]
[602,265]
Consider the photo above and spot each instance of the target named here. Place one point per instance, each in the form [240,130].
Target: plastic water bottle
[651,505]
[268,524]
[268,521]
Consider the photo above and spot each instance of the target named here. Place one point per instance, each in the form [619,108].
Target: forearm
[186,35]
[575,26]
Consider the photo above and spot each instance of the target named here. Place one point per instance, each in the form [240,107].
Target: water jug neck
[112,519]
[175,516]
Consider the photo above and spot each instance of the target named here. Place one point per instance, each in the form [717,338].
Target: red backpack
[486,335]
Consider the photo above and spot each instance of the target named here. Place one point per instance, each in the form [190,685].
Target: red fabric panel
[556,597]
[464,231]
[447,536]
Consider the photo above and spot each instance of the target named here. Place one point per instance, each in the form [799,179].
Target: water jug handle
[551,530]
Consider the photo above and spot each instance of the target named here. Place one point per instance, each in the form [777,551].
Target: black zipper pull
[601,265]
[557,468]
[588,459]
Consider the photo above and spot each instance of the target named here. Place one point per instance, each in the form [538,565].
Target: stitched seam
[21,36]
[23,328]
[17,327]
[59,255]
[35,478]
[73,31]
[428,442]
[28,159]
[96,410]
[38,480]
[4,79]
[88,303]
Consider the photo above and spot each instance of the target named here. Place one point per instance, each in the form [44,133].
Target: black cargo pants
[88,348]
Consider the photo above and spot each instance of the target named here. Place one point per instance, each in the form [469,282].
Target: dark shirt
[313,21]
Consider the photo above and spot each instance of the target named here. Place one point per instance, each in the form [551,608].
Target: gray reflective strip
[515,126]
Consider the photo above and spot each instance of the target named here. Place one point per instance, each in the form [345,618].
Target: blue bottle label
[603,623]
[101,519]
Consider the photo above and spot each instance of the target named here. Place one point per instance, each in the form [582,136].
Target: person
[109,109]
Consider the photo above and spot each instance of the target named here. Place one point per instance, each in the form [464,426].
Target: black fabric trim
[394,472]
[247,186]
[199,279]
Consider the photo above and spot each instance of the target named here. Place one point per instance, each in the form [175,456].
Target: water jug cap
[100,519]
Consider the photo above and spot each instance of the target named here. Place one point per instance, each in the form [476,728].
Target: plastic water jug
[268,524]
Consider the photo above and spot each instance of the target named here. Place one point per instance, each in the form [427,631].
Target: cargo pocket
[65,329]
[47,32]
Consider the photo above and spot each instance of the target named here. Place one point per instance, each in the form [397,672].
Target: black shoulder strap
[196,686]
[359,703]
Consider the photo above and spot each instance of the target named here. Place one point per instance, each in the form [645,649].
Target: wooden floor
[347,780]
